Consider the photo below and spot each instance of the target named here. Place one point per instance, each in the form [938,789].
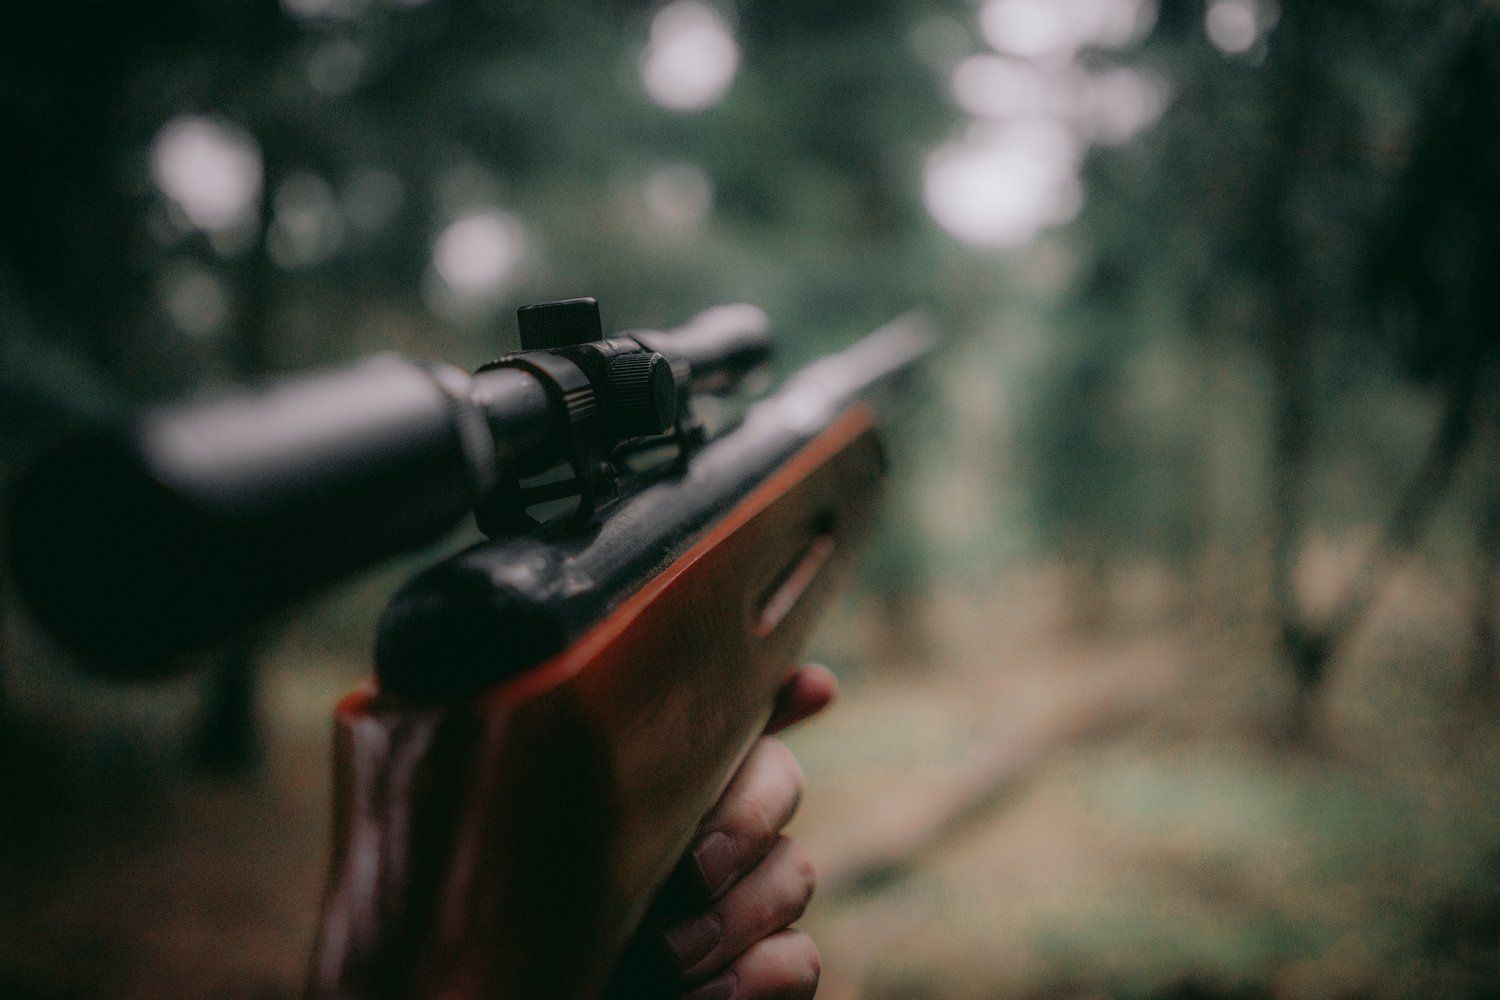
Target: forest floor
[1003,804]
[1139,825]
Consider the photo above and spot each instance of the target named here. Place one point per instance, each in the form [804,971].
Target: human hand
[721,929]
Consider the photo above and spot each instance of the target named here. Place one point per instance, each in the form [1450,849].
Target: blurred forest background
[1174,672]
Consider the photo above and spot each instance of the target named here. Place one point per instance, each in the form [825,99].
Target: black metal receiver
[139,544]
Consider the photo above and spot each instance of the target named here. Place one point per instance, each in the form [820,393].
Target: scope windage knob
[642,394]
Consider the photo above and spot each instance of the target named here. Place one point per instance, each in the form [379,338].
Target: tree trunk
[1310,646]
[1414,510]
[1291,433]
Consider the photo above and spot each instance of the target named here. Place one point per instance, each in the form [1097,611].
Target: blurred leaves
[1312,184]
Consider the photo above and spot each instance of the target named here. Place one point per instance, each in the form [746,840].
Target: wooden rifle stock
[506,844]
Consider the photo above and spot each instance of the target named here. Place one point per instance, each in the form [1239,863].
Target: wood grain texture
[506,846]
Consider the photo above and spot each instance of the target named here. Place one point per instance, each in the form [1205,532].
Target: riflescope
[191,521]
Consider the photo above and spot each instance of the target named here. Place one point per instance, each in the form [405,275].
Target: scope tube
[139,543]
[719,346]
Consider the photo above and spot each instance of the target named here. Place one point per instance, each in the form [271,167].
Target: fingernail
[715,858]
[717,988]
[692,940]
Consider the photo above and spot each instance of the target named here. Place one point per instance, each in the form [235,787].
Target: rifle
[553,710]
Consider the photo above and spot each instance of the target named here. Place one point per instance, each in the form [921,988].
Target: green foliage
[537,110]
[1337,175]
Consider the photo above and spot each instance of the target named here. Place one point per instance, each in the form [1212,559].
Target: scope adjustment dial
[641,393]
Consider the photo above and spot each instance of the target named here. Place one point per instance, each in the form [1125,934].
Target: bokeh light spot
[1029,29]
[679,195]
[337,67]
[476,254]
[1121,102]
[210,169]
[307,227]
[999,87]
[1003,184]
[691,58]
[197,300]
[1041,29]
[1234,26]
[371,198]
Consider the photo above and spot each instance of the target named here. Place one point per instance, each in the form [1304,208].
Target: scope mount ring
[572,400]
